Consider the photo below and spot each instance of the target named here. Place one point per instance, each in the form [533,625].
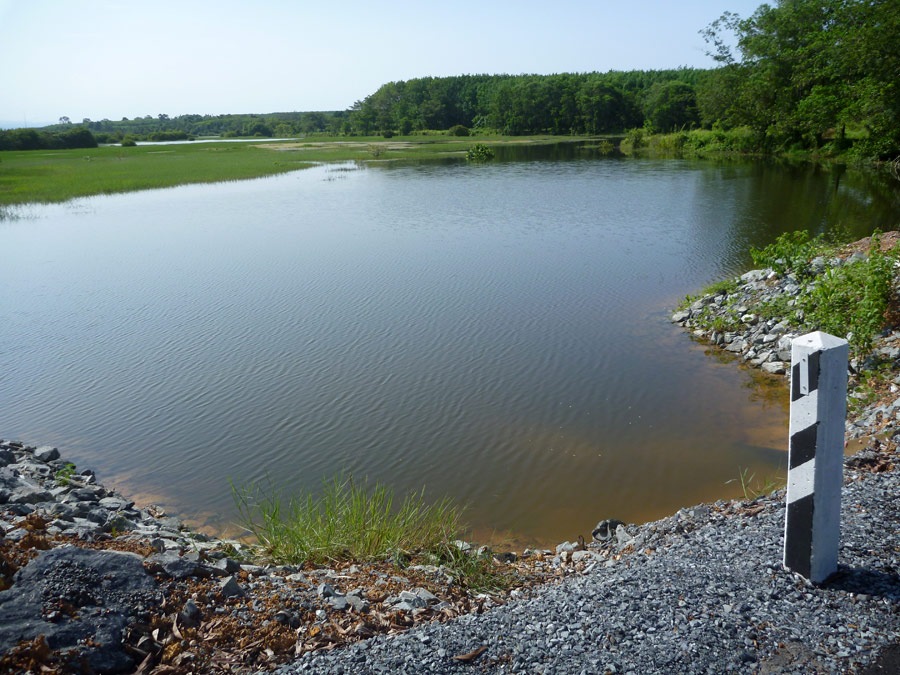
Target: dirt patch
[887,241]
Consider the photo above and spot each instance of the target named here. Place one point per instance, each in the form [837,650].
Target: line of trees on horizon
[514,105]
[818,75]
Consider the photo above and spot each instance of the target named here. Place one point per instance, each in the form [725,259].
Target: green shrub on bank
[851,300]
[791,253]
[697,143]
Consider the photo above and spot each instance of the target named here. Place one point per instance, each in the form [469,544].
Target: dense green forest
[584,103]
[815,76]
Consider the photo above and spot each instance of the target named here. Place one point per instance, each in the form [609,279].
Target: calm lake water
[497,333]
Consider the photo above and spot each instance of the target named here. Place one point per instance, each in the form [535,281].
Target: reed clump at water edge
[350,520]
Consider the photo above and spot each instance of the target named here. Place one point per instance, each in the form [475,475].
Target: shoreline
[304,612]
[700,589]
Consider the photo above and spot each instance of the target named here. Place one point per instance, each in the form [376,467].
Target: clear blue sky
[124,58]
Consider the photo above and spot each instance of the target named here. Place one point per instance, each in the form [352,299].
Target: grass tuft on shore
[352,521]
[347,520]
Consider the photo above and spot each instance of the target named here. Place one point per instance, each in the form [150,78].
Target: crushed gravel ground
[703,591]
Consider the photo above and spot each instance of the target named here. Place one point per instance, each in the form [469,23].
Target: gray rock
[115,503]
[190,616]
[230,588]
[892,352]
[737,345]
[356,599]
[85,494]
[784,342]
[172,565]
[774,367]
[622,537]
[412,599]
[566,547]
[339,603]
[46,453]
[228,565]
[817,264]
[754,276]
[425,595]
[699,513]
[28,493]
[582,556]
[326,591]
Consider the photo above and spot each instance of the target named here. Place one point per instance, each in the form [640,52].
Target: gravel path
[704,592]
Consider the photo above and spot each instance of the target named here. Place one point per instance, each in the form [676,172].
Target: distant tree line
[583,103]
[34,139]
[820,75]
[185,127]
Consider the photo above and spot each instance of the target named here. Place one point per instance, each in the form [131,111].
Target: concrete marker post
[812,527]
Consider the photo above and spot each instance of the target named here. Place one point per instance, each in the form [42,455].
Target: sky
[109,59]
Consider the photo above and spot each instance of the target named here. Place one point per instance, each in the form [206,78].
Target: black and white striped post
[812,526]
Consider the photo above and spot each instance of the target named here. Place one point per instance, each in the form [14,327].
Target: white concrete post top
[817,340]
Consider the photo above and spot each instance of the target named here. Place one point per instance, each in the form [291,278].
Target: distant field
[59,175]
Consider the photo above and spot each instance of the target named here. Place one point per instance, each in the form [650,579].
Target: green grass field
[59,175]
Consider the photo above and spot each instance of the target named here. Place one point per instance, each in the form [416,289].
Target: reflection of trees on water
[757,201]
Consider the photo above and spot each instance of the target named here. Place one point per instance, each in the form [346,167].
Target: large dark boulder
[80,600]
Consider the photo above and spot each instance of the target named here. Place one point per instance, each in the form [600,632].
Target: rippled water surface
[495,333]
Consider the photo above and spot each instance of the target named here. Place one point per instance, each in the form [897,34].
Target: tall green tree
[805,70]
[672,105]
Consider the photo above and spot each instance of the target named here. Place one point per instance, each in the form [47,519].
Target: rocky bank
[92,583]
